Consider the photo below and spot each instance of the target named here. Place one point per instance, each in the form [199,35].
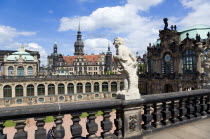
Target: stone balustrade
[134,118]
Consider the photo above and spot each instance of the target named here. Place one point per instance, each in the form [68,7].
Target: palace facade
[174,63]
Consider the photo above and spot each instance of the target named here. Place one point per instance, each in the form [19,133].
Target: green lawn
[48,119]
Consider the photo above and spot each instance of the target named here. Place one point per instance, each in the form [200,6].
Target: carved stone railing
[134,118]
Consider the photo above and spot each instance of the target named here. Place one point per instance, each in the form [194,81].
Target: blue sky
[39,23]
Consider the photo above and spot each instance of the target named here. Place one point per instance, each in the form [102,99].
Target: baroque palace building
[80,63]
[174,63]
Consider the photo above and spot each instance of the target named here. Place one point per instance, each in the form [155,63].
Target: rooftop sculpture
[128,67]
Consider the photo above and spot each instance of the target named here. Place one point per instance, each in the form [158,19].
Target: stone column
[109,87]
[1,90]
[66,88]
[75,87]
[83,87]
[13,90]
[56,88]
[35,89]
[92,87]
[46,89]
[24,90]
[118,86]
[100,87]
[199,63]
[180,65]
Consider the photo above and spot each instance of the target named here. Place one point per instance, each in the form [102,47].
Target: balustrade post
[197,107]
[118,123]
[190,108]
[58,130]
[92,126]
[2,136]
[76,128]
[208,104]
[203,106]
[182,110]
[157,115]
[40,133]
[147,117]
[20,134]
[131,122]
[166,114]
[106,124]
[174,112]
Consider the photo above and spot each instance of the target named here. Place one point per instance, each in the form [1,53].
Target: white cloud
[36,47]
[199,13]
[7,34]
[122,20]
[97,45]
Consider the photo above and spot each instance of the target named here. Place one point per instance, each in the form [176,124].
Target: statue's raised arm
[128,67]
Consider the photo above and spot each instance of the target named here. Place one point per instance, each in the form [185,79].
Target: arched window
[70,88]
[41,90]
[30,90]
[19,91]
[121,86]
[30,71]
[88,87]
[7,91]
[189,61]
[20,71]
[61,89]
[114,87]
[105,87]
[79,88]
[10,71]
[51,89]
[96,87]
[167,63]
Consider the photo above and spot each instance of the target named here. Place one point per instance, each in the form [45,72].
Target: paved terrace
[195,130]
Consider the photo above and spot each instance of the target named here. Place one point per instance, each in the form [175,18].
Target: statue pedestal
[129,96]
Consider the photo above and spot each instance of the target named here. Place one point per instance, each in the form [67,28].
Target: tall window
[167,63]
[70,88]
[19,91]
[20,71]
[41,90]
[121,86]
[189,61]
[114,87]
[61,89]
[79,88]
[10,71]
[30,90]
[105,87]
[150,65]
[88,88]
[96,87]
[51,89]
[7,91]
[30,71]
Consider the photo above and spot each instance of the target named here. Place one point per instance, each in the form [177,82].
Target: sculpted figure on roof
[128,67]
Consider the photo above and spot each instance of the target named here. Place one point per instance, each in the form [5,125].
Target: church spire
[55,48]
[79,45]
[79,36]
[108,46]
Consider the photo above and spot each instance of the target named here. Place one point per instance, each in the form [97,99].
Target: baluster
[190,108]
[197,107]
[2,136]
[58,130]
[203,100]
[21,134]
[166,114]
[118,123]
[147,117]
[40,133]
[76,128]
[208,104]
[174,112]
[92,126]
[157,115]
[106,124]
[182,110]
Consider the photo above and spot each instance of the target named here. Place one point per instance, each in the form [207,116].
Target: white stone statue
[206,67]
[128,67]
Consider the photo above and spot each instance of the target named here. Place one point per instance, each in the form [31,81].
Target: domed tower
[55,47]
[108,60]
[79,45]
